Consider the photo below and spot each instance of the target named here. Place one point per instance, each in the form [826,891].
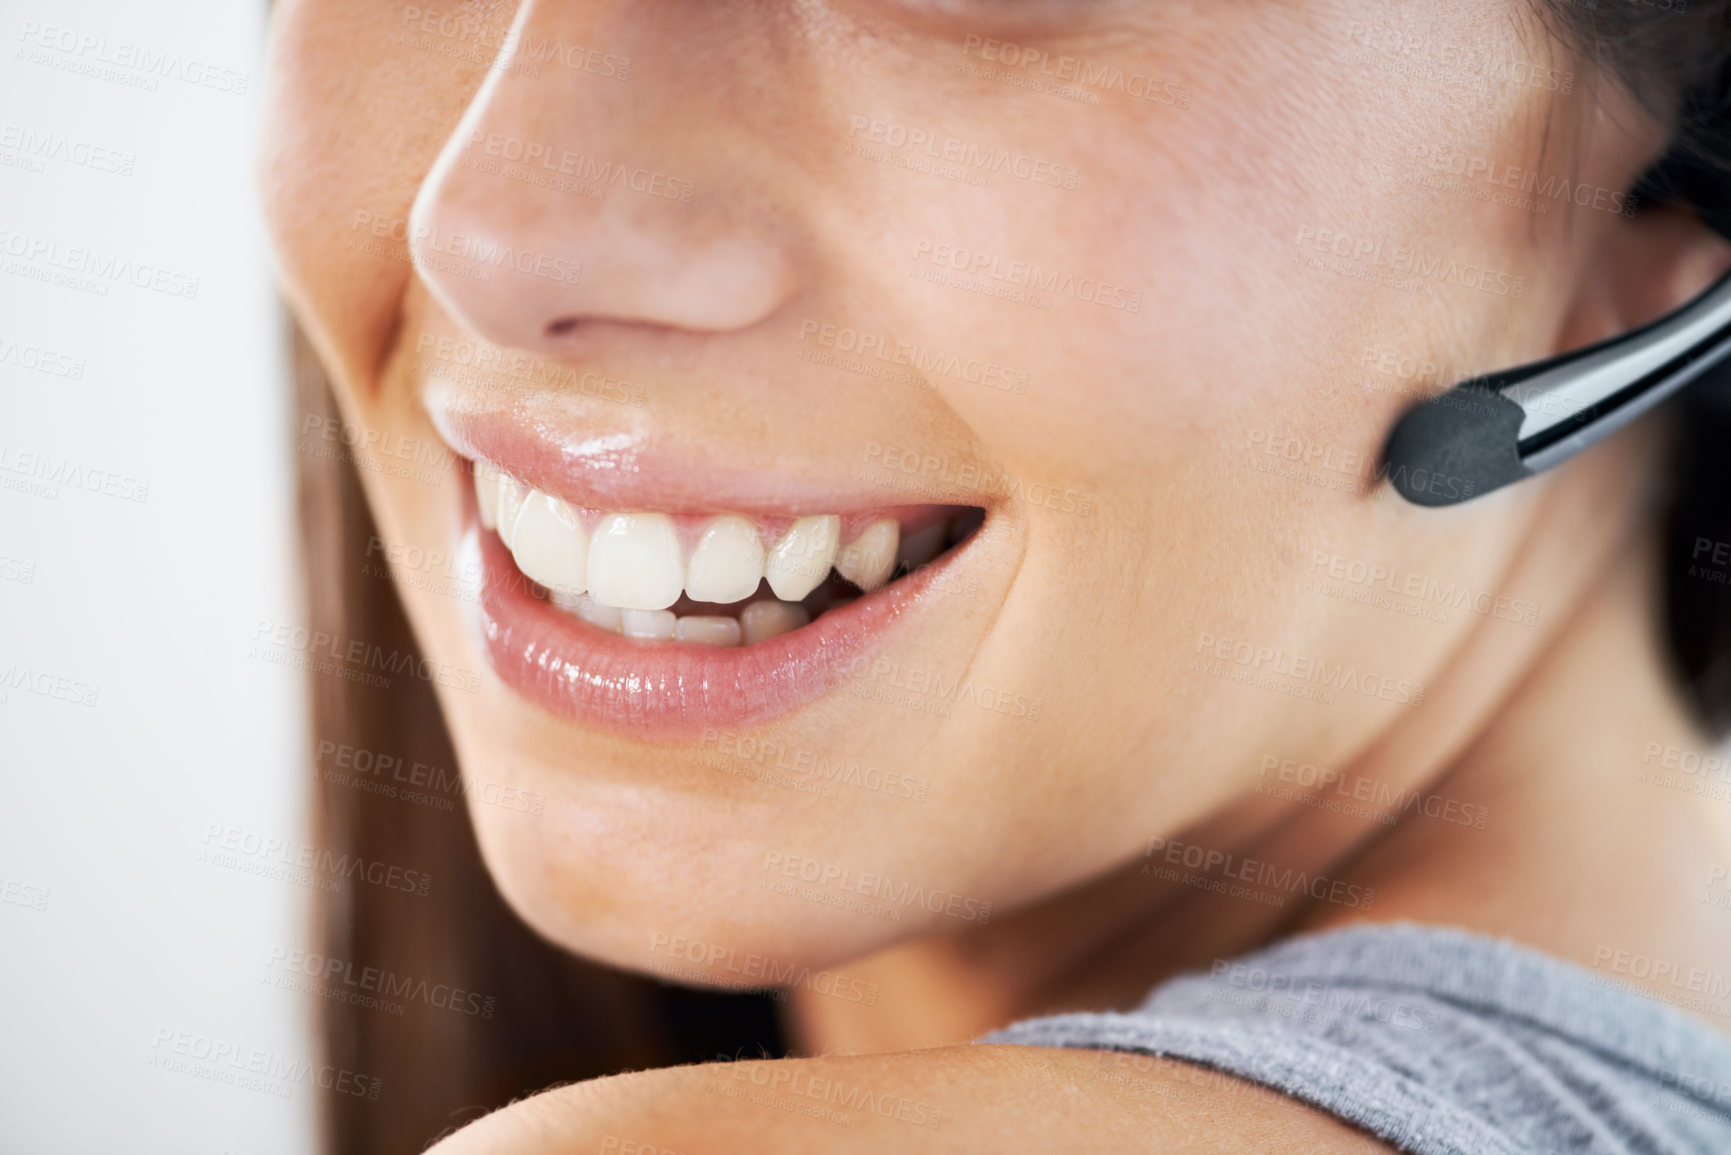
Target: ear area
[1645,266]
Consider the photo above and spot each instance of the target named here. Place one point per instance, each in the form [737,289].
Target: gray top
[1439,1042]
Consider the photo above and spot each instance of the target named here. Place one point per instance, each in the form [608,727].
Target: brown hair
[1675,57]
[1681,65]
[477,1009]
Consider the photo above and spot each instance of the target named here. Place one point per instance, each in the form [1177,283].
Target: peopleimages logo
[924,361]
[580,166]
[513,44]
[1360,796]
[31,897]
[378,981]
[1374,253]
[34,474]
[361,656]
[41,258]
[46,684]
[87,54]
[1283,663]
[1385,577]
[252,1068]
[993,270]
[1541,191]
[1219,866]
[713,958]
[802,1092]
[1078,70]
[939,146]
[296,855]
[467,246]
[41,360]
[830,875]
[38,147]
[816,765]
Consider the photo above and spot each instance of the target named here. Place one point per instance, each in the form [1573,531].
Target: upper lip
[563,448]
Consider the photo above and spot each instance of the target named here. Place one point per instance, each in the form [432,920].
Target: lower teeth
[708,630]
[762,616]
[755,621]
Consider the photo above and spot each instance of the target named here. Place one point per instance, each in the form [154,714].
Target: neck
[1535,820]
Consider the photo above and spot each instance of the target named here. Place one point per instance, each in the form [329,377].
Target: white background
[107,807]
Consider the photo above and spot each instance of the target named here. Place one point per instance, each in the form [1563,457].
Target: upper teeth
[801,559]
[635,562]
[727,563]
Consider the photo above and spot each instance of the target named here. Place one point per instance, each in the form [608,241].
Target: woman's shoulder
[1002,1098]
[1364,1038]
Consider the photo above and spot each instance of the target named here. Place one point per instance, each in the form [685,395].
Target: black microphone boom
[1506,426]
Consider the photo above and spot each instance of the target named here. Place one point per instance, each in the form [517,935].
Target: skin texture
[944,1099]
[1297,124]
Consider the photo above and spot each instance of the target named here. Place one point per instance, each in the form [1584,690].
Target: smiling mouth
[668,624]
[723,580]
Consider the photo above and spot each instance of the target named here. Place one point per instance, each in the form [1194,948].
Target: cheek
[357,110]
[1269,249]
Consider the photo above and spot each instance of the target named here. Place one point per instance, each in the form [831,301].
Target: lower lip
[672,691]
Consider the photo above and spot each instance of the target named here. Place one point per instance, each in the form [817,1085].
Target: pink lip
[670,691]
[665,691]
[618,469]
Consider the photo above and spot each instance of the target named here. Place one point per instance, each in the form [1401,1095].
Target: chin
[731,917]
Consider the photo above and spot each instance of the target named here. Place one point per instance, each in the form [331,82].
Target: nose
[575,190]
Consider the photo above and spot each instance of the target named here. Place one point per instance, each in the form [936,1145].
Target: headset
[1509,425]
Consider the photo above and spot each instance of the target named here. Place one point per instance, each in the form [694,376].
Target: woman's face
[1146,283]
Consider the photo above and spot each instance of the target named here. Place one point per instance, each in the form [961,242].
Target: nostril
[561,327]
